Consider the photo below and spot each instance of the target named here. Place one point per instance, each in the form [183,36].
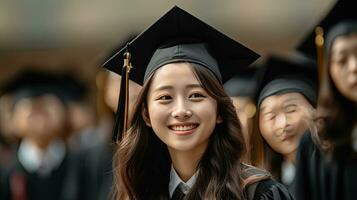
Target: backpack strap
[252,176]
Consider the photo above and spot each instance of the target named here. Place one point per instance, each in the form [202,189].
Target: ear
[219,119]
[145,116]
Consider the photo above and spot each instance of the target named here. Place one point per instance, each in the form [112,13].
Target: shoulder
[271,189]
[258,184]
[251,174]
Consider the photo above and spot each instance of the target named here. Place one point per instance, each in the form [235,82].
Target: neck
[41,144]
[290,157]
[186,162]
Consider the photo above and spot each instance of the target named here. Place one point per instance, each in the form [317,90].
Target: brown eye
[164,98]
[196,95]
[340,61]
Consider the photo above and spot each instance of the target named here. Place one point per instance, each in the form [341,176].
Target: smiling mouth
[183,129]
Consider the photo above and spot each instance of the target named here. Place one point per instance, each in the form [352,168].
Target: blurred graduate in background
[286,108]
[242,89]
[44,165]
[326,160]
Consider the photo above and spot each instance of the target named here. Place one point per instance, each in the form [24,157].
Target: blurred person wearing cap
[88,140]
[326,160]
[286,107]
[184,140]
[42,167]
[242,89]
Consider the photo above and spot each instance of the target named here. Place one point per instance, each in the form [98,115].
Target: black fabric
[271,190]
[34,83]
[286,85]
[178,194]
[262,185]
[162,43]
[342,10]
[289,74]
[81,176]
[38,187]
[175,37]
[96,171]
[320,178]
[245,83]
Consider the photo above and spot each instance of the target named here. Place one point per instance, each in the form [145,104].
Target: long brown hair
[336,114]
[142,162]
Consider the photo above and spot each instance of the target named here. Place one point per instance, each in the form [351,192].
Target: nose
[181,110]
[280,123]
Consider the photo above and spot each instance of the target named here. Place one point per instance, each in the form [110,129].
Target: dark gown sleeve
[271,189]
[304,156]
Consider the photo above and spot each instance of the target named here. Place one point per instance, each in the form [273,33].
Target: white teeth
[183,127]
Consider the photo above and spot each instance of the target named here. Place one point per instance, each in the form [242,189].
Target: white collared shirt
[287,172]
[34,159]
[175,180]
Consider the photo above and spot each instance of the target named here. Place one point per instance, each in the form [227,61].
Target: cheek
[265,127]
[157,114]
[337,76]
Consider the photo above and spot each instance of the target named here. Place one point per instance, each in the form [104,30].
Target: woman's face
[283,119]
[180,111]
[343,65]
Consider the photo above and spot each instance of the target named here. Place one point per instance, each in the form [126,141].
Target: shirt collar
[175,180]
[32,158]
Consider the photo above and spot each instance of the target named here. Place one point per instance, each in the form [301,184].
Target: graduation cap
[244,84]
[292,74]
[343,10]
[176,37]
[34,83]
[316,46]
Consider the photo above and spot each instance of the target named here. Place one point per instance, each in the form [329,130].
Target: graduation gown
[96,171]
[271,190]
[323,179]
[61,184]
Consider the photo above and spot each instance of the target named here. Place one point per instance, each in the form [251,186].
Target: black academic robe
[96,171]
[61,184]
[272,190]
[319,178]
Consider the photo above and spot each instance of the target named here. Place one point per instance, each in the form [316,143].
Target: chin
[183,147]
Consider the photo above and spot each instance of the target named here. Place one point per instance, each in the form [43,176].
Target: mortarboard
[33,83]
[176,37]
[289,74]
[315,45]
[244,84]
[343,10]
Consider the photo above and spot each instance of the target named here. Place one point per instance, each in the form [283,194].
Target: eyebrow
[170,87]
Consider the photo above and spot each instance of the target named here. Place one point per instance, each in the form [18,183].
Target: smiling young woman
[184,140]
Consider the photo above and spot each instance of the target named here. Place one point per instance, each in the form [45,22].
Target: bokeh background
[78,35]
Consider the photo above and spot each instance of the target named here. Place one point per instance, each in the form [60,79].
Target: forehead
[346,42]
[174,74]
[280,99]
